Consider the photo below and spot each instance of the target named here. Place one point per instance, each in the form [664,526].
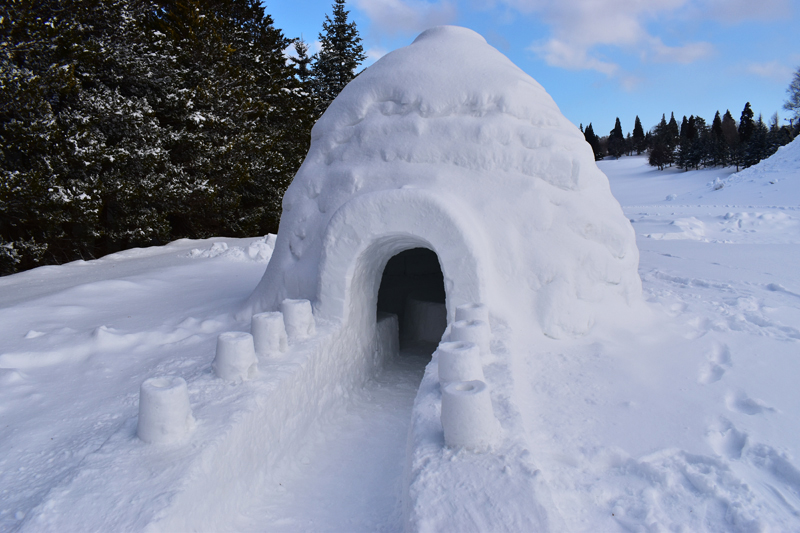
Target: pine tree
[758,144]
[92,140]
[673,136]
[340,55]
[593,141]
[616,140]
[130,122]
[240,119]
[699,152]
[684,144]
[731,135]
[661,144]
[747,125]
[302,62]
[718,148]
[638,137]
[746,129]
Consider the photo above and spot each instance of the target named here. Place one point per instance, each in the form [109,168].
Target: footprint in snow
[742,403]
[719,360]
[726,440]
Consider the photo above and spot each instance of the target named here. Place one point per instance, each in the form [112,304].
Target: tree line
[130,123]
[696,144]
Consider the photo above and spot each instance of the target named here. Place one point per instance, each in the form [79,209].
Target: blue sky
[602,59]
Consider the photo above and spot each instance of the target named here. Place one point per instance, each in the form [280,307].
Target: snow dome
[445,175]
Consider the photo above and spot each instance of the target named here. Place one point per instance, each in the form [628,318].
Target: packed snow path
[349,478]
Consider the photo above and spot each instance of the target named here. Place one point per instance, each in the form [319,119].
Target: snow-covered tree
[132,122]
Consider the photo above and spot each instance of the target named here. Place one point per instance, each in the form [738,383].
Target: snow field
[685,419]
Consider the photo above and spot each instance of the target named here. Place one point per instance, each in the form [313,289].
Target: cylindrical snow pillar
[299,319]
[164,411]
[459,361]
[472,312]
[476,331]
[236,356]
[467,416]
[269,333]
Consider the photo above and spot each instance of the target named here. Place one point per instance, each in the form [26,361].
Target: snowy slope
[686,419]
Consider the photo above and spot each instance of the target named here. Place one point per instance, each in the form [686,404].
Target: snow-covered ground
[686,420]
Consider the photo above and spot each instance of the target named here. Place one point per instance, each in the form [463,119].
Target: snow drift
[447,145]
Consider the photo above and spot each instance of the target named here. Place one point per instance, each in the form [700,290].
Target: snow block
[164,412]
[388,337]
[472,312]
[269,333]
[299,319]
[236,356]
[476,331]
[425,321]
[467,416]
[459,361]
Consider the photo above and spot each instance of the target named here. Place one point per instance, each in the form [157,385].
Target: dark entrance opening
[412,287]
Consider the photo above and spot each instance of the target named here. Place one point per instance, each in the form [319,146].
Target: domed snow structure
[446,147]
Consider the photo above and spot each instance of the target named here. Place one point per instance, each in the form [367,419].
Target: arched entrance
[371,229]
[412,287]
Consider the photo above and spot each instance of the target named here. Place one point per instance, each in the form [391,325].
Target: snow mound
[259,251]
[446,144]
[785,161]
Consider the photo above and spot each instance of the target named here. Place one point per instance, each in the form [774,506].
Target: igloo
[447,157]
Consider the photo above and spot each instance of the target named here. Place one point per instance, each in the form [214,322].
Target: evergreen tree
[91,139]
[746,128]
[340,55]
[731,135]
[673,136]
[778,135]
[684,144]
[758,144]
[718,147]
[132,122]
[302,62]
[593,141]
[239,118]
[638,137]
[793,102]
[699,152]
[747,125]
[662,144]
[616,140]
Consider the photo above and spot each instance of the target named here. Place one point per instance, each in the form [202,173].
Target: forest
[131,123]
[695,144]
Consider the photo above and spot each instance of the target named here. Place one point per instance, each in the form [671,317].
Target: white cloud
[580,26]
[772,70]
[661,53]
[561,54]
[734,11]
[407,16]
